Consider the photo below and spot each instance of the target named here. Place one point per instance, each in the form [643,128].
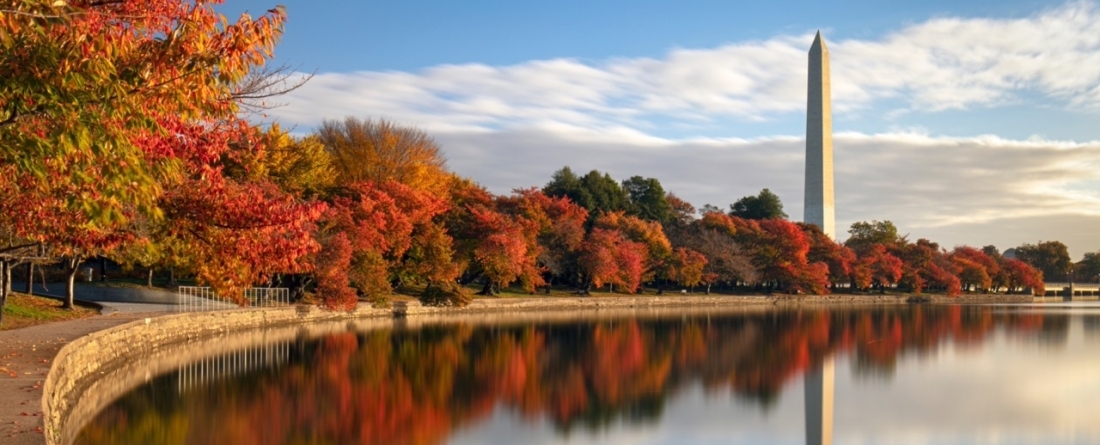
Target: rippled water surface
[925,374]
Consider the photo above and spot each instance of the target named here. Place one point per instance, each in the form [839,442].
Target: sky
[966,123]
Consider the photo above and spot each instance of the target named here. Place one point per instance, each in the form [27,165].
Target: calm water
[902,375]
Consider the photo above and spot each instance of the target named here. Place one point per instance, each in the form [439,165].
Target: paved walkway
[25,358]
[113,299]
[26,354]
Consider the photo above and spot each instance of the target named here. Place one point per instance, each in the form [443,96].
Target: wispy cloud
[945,63]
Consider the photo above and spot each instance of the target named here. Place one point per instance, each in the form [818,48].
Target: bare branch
[262,84]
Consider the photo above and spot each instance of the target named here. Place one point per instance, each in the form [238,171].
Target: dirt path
[25,358]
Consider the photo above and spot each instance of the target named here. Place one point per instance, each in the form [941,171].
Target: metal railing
[197,299]
[1081,285]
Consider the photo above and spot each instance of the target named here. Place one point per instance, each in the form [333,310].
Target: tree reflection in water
[417,387]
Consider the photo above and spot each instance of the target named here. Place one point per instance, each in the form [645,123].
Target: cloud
[939,64]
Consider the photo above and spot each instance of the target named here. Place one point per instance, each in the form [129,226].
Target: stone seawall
[94,370]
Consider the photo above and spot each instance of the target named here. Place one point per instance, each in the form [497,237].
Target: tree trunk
[70,284]
[171,277]
[3,289]
[487,290]
[8,266]
[102,268]
[30,279]
[149,279]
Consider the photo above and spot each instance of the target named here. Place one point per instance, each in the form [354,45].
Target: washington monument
[819,210]
[819,142]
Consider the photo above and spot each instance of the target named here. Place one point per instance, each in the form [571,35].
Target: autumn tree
[837,257]
[394,236]
[609,257]
[69,101]
[779,250]
[876,266]
[498,238]
[559,225]
[239,234]
[136,123]
[974,268]
[713,237]
[656,262]
[926,266]
[683,212]
[507,249]
[367,150]
[765,205]
[147,247]
[1020,275]
[687,267]
[300,166]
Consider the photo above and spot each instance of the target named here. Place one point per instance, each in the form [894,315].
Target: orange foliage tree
[876,266]
[974,268]
[925,266]
[1022,275]
[559,225]
[393,235]
[779,250]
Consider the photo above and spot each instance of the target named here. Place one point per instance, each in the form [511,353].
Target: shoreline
[79,366]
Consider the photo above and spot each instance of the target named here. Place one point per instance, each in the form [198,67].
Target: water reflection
[637,381]
[818,384]
[205,372]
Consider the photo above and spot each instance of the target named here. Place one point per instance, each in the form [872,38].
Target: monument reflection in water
[905,374]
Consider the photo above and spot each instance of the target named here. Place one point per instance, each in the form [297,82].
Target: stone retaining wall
[94,370]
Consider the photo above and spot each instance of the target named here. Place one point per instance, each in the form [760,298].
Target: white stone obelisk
[819,142]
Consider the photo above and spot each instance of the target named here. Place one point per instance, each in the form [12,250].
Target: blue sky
[964,122]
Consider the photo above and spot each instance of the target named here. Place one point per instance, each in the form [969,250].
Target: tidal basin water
[919,374]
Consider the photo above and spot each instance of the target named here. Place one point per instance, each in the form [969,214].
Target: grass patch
[24,310]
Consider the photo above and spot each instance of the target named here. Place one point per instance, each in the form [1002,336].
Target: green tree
[597,192]
[765,205]
[1050,257]
[606,193]
[648,199]
[709,208]
[863,234]
[565,183]
[992,251]
[1088,269]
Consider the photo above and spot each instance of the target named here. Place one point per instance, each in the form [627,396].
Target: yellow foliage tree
[379,151]
[300,166]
